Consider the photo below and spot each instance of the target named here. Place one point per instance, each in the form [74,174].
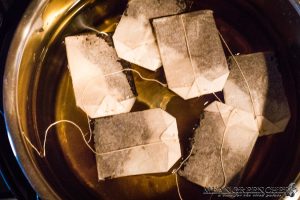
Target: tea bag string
[233,111]
[217,97]
[191,59]
[83,92]
[242,73]
[221,154]
[90,129]
[184,161]
[33,147]
[133,70]
[177,185]
[42,153]
[176,170]
[72,123]
[222,144]
[85,26]
[139,74]
[137,146]
[190,56]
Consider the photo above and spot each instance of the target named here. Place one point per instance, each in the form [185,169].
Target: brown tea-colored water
[245,32]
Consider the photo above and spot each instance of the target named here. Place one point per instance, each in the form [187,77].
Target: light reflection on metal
[296,5]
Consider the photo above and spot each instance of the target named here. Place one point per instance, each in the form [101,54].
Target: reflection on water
[243,34]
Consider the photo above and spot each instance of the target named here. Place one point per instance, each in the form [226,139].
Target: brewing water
[244,31]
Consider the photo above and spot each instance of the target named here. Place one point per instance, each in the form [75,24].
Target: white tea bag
[222,146]
[268,102]
[100,88]
[134,39]
[192,54]
[136,143]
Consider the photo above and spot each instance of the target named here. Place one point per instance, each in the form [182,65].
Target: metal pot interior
[38,92]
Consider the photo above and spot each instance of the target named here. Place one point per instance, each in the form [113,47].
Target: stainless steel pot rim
[10,95]
[12,114]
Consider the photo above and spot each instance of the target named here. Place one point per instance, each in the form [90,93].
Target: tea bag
[136,143]
[268,100]
[98,87]
[192,55]
[222,146]
[134,39]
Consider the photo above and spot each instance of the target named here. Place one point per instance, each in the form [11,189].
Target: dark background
[13,183]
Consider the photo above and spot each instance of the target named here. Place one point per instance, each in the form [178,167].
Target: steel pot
[38,91]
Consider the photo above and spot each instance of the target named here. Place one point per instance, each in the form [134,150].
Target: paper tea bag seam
[193,176]
[233,111]
[246,82]
[191,59]
[83,95]
[170,139]
[188,82]
[240,69]
[221,151]
[271,127]
[269,99]
[132,144]
[156,128]
[110,106]
[244,77]
[129,163]
[200,79]
[219,63]
[192,70]
[165,139]
[223,140]
[134,39]
[168,120]
[91,56]
[222,118]
[138,146]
